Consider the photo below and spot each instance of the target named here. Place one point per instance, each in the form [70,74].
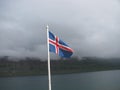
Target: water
[105,80]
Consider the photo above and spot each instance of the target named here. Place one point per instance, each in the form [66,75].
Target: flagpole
[49,71]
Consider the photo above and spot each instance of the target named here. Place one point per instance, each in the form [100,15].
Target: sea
[102,80]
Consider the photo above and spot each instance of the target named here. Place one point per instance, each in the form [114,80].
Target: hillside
[34,66]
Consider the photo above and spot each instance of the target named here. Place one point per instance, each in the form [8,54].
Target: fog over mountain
[90,27]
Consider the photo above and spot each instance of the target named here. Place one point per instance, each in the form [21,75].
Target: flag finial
[47,27]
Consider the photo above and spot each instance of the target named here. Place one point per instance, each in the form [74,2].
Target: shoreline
[45,74]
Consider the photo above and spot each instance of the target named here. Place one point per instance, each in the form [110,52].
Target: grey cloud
[91,27]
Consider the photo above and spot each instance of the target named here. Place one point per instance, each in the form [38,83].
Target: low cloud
[90,27]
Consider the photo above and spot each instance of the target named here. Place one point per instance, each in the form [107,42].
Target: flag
[56,45]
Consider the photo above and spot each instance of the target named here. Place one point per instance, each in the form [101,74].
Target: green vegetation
[34,66]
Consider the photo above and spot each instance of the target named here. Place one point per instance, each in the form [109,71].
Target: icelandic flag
[57,46]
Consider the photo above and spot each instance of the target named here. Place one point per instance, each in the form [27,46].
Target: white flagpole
[49,71]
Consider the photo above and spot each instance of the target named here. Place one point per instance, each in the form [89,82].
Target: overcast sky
[90,27]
